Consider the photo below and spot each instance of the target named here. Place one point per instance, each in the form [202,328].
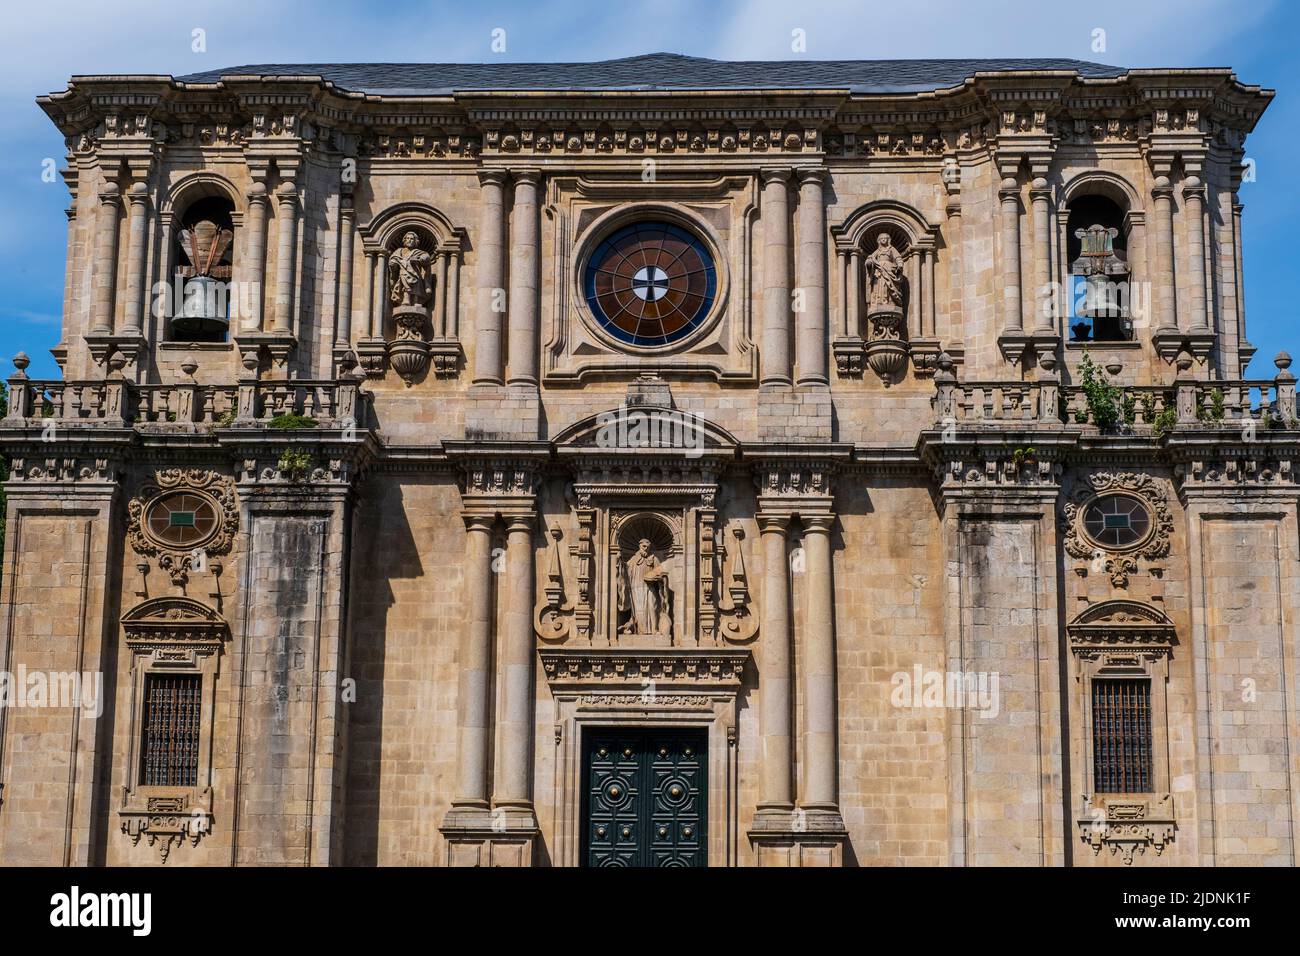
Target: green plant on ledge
[227,419]
[1023,456]
[1164,423]
[290,420]
[1214,412]
[294,465]
[1106,403]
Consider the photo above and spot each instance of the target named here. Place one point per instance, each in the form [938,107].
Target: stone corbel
[739,624]
[1129,824]
[167,822]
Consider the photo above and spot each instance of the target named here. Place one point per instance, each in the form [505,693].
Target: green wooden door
[646,798]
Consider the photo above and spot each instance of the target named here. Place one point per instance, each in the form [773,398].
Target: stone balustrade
[1186,402]
[250,402]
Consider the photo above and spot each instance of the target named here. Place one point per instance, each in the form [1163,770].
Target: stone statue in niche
[643,593]
[410,274]
[884,277]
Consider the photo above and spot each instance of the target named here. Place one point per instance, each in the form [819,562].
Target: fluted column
[810,339]
[515,740]
[105,281]
[522,347]
[774,358]
[286,253]
[817,669]
[343,333]
[489,278]
[774,707]
[1009,197]
[1194,206]
[137,231]
[1044,317]
[1167,316]
[475,686]
[255,267]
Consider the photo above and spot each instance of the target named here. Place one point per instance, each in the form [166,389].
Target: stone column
[810,341]
[362,319]
[1012,317]
[1194,207]
[137,230]
[343,332]
[473,710]
[105,266]
[440,297]
[255,269]
[817,669]
[453,295]
[489,277]
[775,356]
[853,294]
[930,291]
[514,744]
[1039,194]
[378,294]
[776,792]
[286,253]
[522,346]
[1167,309]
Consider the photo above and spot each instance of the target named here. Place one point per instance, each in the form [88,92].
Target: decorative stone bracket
[1130,824]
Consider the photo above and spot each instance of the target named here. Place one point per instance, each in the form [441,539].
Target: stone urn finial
[21,361]
[189,365]
[1282,360]
[249,361]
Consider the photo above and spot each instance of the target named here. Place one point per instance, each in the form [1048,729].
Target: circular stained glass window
[1117,521]
[650,284]
[182,520]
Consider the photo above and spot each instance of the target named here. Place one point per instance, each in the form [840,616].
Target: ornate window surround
[582,211]
[217,488]
[1119,563]
[1124,639]
[171,635]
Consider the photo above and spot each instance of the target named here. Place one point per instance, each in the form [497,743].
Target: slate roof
[654,71]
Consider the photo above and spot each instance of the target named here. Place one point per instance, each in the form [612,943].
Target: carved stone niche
[646,564]
[886,255]
[171,637]
[1116,640]
[413,258]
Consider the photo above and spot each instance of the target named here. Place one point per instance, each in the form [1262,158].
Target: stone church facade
[659,462]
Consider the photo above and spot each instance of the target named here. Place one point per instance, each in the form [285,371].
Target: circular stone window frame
[163,496]
[605,226]
[1138,545]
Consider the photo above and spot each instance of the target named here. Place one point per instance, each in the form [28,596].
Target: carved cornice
[611,669]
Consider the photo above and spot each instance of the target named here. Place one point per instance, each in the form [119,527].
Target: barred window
[1121,736]
[171,730]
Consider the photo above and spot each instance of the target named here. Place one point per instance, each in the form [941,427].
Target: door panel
[646,798]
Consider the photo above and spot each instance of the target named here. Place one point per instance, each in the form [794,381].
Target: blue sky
[49,42]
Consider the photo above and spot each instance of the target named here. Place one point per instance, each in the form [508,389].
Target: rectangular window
[1121,736]
[171,730]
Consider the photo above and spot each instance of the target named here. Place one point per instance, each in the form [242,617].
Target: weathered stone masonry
[406,625]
